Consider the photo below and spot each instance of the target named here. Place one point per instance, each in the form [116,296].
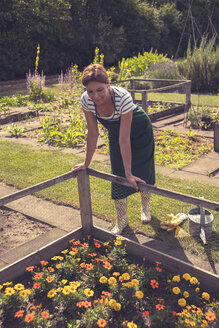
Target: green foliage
[202,117]
[15,131]
[17,100]
[137,65]
[201,66]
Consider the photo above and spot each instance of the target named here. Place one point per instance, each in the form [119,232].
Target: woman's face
[98,92]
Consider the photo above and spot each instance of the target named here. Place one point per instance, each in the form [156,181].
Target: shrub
[201,66]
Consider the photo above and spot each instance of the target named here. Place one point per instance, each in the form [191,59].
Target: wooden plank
[85,202]
[18,268]
[156,190]
[37,187]
[208,280]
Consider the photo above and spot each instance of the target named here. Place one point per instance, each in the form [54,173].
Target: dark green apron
[142,146]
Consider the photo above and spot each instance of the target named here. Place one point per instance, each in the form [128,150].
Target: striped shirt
[123,103]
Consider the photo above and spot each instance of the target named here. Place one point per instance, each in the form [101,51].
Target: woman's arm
[92,136]
[125,148]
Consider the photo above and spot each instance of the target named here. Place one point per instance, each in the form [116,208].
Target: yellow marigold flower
[116,274]
[206,296]
[58,266]
[131,325]
[112,302]
[24,293]
[117,243]
[9,291]
[112,281]
[8,283]
[64,281]
[72,289]
[186,294]
[135,282]
[19,287]
[124,276]
[176,290]
[52,293]
[65,251]
[182,302]
[66,290]
[117,307]
[186,276]
[194,281]
[176,278]
[76,284]
[127,284]
[139,294]
[1,287]
[88,292]
[103,280]
[106,243]
[197,290]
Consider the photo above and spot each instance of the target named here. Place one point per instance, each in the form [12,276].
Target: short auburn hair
[94,73]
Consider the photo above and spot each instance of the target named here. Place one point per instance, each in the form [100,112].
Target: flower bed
[91,284]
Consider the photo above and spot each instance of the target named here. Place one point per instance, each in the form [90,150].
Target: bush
[201,66]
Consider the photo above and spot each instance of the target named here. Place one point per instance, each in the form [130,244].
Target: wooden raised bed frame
[17,269]
[144,102]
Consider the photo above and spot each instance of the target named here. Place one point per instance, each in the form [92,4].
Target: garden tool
[173,222]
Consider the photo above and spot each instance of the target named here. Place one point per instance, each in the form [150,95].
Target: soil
[17,229]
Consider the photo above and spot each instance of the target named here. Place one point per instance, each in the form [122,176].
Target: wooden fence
[14,270]
[184,85]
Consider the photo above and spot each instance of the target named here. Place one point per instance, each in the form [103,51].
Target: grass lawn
[23,166]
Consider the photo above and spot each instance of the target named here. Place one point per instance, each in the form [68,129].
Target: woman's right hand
[79,167]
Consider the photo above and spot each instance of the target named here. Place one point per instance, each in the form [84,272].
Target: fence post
[85,202]
[144,101]
[216,137]
[188,95]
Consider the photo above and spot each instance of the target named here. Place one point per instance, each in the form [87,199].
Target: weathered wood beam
[37,187]
[156,190]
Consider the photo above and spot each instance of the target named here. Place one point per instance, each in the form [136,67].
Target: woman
[131,141]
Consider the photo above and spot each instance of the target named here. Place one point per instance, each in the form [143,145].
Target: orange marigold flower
[85,244]
[77,242]
[89,267]
[145,314]
[154,284]
[29,317]
[210,316]
[107,266]
[87,304]
[30,268]
[50,269]
[92,254]
[19,314]
[49,279]
[37,285]
[160,307]
[101,323]
[97,245]
[159,269]
[43,263]
[38,275]
[45,315]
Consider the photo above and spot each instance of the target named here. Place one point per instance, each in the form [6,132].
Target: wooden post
[188,96]
[216,137]
[85,202]
[144,101]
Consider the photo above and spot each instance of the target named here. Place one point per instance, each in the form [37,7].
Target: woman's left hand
[133,180]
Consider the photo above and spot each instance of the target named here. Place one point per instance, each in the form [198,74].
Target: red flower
[29,317]
[19,314]
[174,313]
[101,323]
[50,269]
[45,315]
[160,307]
[145,314]
[158,269]
[38,275]
[89,267]
[154,284]
[37,285]
[30,268]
